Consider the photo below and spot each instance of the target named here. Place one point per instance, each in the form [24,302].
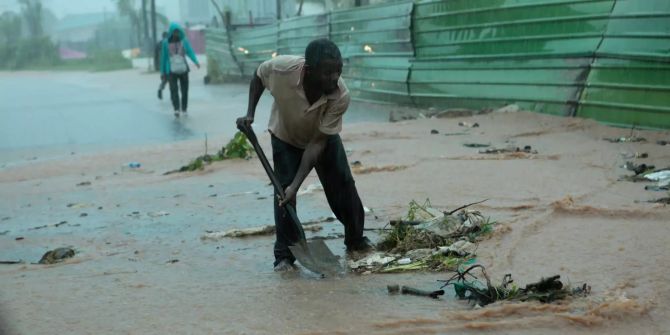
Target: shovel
[313,255]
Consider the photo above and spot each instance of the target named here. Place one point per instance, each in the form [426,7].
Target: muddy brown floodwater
[142,268]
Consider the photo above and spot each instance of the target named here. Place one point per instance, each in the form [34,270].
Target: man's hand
[289,196]
[245,121]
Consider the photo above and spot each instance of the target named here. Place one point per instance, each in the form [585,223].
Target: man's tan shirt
[293,119]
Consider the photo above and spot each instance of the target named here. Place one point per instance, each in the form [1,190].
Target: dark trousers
[179,81]
[338,184]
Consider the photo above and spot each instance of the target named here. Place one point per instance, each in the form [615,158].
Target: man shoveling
[310,99]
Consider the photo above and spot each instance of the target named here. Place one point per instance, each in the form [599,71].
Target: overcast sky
[63,7]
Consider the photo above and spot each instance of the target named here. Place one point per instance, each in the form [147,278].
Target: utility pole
[278,10]
[145,26]
[153,21]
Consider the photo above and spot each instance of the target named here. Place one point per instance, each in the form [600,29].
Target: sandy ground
[141,267]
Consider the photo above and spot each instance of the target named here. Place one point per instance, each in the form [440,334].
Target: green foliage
[238,147]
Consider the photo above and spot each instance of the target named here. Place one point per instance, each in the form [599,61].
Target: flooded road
[54,113]
[142,266]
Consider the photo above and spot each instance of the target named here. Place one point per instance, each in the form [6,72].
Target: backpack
[177,60]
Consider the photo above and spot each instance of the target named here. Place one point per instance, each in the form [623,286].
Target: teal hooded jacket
[175,28]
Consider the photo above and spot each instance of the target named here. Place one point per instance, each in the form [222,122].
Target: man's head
[323,65]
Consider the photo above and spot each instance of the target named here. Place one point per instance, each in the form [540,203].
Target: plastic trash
[134,165]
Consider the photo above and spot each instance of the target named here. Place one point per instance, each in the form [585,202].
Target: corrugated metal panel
[218,50]
[376,42]
[630,81]
[487,53]
[296,33]
[252,46]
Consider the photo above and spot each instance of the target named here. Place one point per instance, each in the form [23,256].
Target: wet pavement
[54,113]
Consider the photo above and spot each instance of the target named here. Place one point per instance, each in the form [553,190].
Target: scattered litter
[658,176]
[402,289]
[11,262]
[20,238]
[359,169]
[465,124]
[434,131]
[83,215]
[629,139]
[134,165]
[376,259]
[172,261]
[460,248]
[57,255]
[638,168]
[263,230]
[404,261]
[657,188]
[526,149]
[60,223]
[427,239]
[662,142]
[476,145]
[311,188]
[629,155]
[467,286]
[78,205]
[456,134]
[366,210]
[158,214]
[84,183]
[39,227]
[665,201]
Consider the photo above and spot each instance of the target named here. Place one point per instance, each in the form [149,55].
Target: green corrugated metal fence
[602,59]
[296,33]
[629,83]
[377,43]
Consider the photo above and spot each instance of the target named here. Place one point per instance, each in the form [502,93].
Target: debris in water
[638,169]
[476,145]
[158,214]
[263,230]
[662,142]
[360,169]
[625,139]
[84,183]
[11,262]
[172,261]
[465,124]
[434,131]
[467,286]
[526,149]
[402,289]
[57,255]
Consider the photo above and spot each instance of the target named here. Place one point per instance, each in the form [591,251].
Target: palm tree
[128,9]
[32,13]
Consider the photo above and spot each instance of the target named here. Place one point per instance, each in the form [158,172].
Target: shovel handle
[251,136]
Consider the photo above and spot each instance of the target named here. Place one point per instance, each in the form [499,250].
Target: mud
[569,216]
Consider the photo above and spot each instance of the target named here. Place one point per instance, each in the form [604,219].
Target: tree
[128,9]
[32,13]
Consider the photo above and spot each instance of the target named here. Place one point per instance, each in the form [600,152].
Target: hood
[175,27]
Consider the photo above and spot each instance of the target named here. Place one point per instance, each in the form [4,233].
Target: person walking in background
[174,66]
[157,65]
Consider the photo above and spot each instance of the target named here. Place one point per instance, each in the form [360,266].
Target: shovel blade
[316,257]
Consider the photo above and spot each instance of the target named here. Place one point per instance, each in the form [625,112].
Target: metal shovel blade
[317,257]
